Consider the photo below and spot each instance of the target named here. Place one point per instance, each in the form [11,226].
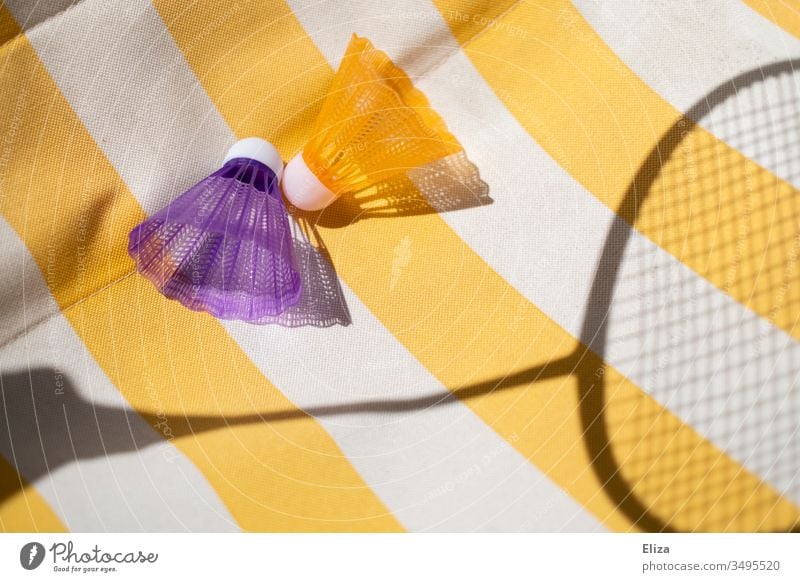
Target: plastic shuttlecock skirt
[224,246]
[373,125]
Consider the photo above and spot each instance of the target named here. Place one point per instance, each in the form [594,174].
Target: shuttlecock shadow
[322,303]
[445,185]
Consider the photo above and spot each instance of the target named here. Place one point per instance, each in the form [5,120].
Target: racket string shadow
[673,348]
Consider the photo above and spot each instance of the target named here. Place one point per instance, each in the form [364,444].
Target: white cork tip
[260,150]
[303,189]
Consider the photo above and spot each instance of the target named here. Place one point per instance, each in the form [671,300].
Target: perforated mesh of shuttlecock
[373,124]
[322,302]
[224,246]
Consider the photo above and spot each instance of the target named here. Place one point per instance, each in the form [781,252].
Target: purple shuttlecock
[224,246]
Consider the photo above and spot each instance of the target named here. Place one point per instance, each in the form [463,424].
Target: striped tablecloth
[610,344]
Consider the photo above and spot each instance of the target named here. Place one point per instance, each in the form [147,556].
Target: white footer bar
[353,557]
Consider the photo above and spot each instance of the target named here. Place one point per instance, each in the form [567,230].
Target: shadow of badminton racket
[714,362]
[45,422]
[686,335]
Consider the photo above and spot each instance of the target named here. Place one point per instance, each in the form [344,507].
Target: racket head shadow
[731,224]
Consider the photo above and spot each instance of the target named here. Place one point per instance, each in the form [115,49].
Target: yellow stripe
[582,104]
[8,26]
[784,14]
[71,208]
[456,315]
[22,509]
[469,19]
[251,104]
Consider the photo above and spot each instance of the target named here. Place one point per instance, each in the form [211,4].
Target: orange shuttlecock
[373,125]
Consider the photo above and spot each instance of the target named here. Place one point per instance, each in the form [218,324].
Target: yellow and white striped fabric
[489,380]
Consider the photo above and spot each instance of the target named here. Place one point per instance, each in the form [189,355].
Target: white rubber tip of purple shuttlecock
[302,188]
[260,150]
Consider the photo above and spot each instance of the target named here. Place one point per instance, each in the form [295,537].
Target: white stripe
[434,463]
[103,468]
[25,300]
[691,49]
[545,233]
[436,467]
